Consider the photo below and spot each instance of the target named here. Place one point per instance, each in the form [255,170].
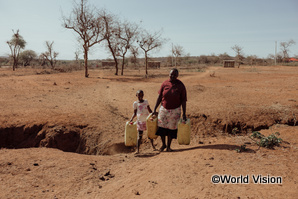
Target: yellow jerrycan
[151,123]
[183,134]
[131,134]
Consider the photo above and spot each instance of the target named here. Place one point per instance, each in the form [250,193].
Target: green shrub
[267,142]
[257,134]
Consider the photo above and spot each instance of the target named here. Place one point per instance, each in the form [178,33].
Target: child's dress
[142,114]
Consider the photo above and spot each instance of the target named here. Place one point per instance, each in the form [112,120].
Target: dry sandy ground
[61,135]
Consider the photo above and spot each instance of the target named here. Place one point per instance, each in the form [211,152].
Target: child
[141,110]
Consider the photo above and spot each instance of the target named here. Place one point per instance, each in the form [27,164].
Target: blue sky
[200,27]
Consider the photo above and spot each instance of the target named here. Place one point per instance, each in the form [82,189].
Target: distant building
[154,64]
[292,60]
[229,63]
[108,63]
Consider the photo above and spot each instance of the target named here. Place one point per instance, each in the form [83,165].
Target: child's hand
[154,114]
[152,117]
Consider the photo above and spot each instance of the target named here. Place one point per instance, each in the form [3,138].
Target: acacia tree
[239,54]
[50,55]
[27,56]
[285,48]
[134,50]
[16,44]
[88,24]
[109,34]
[149,41]
[177,51]
[127,33]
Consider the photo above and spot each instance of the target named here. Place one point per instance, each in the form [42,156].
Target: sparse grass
[241,149]
[235,131]
[291,64]
[252,70]
[200,70]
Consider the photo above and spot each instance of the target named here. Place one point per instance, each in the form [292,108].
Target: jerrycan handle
[151,116]
[183,121]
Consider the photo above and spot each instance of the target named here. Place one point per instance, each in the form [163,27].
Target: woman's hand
[184,117]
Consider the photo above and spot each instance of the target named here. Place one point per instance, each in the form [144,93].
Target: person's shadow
[147,155]
[218,147]
[214,146]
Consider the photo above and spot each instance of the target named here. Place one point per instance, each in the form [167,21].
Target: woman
[172,95]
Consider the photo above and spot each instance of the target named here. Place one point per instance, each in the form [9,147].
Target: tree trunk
[146,63]
[15,63]
[114,57]
[122,68]
[116,65]
[86,62]
[52,64]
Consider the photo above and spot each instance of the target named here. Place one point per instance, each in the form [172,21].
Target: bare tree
[77,55]
[149,41]
[50,55]
[16,44]
[134,54]
[239,54]
[278,57]
[77,58]
[285,48]
[41,59]
[127,33]
[177,51]
[109,34]
[252,59]
[88,24]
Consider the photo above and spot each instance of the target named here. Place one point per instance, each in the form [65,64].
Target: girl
[141,110]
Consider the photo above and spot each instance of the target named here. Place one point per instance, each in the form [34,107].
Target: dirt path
[87,115]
